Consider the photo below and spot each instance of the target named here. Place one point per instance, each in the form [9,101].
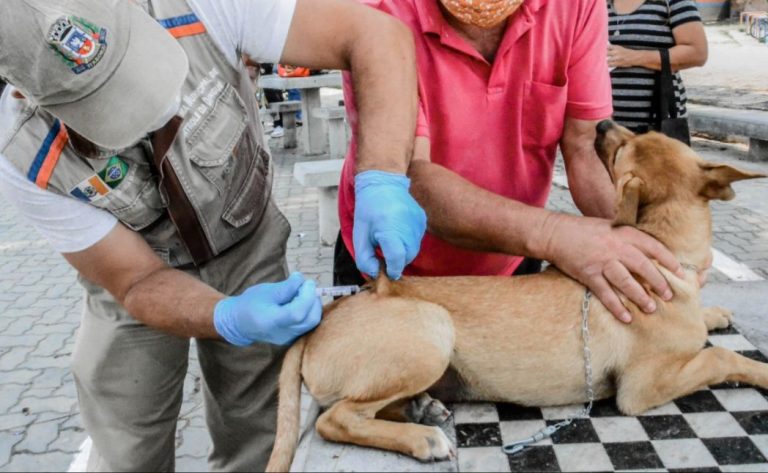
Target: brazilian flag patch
[114,172]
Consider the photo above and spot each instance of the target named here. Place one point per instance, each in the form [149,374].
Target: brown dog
[519,339]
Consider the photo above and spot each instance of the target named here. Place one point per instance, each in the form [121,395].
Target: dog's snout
[604,126]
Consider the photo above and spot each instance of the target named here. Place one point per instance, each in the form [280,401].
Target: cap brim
[142,88]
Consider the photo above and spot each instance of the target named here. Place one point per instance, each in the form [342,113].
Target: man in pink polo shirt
[502,84]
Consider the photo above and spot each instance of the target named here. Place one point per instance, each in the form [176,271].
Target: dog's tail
[288,409]
[382,285]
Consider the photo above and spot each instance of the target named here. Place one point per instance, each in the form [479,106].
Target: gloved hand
[386,215]
[276,313]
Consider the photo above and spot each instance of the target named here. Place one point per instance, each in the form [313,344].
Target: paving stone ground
[40,306]
[734,76]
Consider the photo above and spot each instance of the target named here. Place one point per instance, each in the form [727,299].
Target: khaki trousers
[130,377]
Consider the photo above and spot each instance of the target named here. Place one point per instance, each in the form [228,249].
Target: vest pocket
[212,131]
[227,167]
[249,187]
[136,202]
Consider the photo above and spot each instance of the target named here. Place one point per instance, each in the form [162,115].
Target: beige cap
[105,68]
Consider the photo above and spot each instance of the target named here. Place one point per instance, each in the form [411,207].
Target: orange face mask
[482,13]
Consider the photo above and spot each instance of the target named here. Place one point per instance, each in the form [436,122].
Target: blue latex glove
[276,313]
[386,215]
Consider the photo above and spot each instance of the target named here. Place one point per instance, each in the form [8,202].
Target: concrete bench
[755,23]
[288,111]
[337,130]
[313,134]
[722,122]
[324,175]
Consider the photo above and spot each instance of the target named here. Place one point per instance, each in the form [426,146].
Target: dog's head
[651,169]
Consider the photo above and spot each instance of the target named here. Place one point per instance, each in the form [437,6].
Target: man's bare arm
[588,249]
[379,51]
[588,180]
[151,291]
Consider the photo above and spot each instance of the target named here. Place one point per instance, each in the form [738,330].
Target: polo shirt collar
[430,17]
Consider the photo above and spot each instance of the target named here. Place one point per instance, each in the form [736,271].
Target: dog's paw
[428,411]
[436,447]
[717,317]
[436,413]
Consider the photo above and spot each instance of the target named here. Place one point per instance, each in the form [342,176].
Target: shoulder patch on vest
[91,189]
[114,172]
[183,26]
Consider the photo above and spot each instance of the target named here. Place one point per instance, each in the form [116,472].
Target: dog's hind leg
[373,351]
[398,411]
[422,409]
[716,317]
[646,385]
[355,422]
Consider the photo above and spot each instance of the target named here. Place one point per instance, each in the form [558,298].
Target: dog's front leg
[647,385]
[716,317]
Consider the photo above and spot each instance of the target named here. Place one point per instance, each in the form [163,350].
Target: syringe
[337,291]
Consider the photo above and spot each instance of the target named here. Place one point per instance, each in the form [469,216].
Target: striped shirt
[648,27]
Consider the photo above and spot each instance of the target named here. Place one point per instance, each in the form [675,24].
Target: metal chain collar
[518,446]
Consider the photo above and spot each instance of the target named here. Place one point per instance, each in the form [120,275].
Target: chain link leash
[518,446]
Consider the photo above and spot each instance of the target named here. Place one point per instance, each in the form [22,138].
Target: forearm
[384,77]
[588,181]
[680,57]
[173,302]
[470,217]
[593,199]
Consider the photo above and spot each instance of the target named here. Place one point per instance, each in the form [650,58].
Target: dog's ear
[718,178]
[627,200]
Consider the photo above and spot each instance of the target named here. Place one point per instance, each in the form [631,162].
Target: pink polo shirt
[497,125]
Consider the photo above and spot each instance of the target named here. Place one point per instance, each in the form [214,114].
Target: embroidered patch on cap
[80,44]
[91,189]
[114,172]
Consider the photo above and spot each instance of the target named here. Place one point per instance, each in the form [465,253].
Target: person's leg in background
[294,94]
[275,96]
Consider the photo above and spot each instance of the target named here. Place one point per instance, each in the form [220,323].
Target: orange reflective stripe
[46,170]
[187,30]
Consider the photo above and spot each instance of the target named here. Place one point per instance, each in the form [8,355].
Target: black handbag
[667,120]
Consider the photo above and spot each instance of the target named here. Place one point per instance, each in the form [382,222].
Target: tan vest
[219,156]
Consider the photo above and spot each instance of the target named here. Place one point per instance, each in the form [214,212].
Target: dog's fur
[376,354]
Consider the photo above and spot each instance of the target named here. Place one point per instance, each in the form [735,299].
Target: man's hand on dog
[610,261]
[386,216]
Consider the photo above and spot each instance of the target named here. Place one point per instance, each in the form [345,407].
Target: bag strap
[667,105]
[180,209]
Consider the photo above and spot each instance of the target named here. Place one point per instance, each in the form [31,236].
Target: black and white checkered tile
[720,429]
